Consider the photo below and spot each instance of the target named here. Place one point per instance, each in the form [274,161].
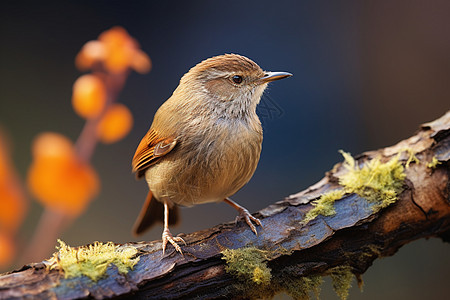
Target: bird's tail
[151,213]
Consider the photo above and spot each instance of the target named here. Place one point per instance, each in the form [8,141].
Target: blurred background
[366,74]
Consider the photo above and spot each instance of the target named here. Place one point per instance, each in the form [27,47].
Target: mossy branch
[364,208]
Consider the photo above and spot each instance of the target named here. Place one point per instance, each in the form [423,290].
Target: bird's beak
[272,76]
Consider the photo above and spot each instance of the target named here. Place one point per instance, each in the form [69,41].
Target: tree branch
[297,253]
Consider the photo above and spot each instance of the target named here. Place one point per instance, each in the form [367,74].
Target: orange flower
[51,145]
[89,96]
[117,50]
[140,62]
[4,163]
[91,53]
[115,124]
[12,205]
[12,199]
[7,249]
[57,178]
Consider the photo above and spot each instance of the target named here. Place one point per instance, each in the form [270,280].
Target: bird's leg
[243,213]
[167,236]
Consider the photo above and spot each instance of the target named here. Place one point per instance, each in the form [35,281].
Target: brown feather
[151,147]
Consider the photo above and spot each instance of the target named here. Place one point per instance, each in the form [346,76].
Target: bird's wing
[151,148]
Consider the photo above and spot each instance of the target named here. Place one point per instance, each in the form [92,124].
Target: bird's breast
[207,166]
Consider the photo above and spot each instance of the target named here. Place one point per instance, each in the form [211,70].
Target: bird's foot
[244,214]
[168,237]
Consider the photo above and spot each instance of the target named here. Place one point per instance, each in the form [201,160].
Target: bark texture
[349,240]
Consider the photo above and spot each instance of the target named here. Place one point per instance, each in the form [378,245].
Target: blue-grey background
[366,74]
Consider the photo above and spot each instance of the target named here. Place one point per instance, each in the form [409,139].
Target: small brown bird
[205,141]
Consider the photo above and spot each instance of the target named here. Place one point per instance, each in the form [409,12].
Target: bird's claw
[168,237]
[244,214]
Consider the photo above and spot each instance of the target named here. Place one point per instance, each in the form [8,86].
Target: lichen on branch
[92,260]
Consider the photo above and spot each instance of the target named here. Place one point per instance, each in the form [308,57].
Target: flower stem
[52,223]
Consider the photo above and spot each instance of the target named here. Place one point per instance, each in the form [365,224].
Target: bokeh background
[366,74]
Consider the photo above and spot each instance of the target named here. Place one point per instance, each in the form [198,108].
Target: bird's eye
[237,79]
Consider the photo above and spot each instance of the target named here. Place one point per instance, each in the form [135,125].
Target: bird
[204,143]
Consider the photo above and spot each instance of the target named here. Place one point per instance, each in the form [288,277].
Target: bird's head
[230,83]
